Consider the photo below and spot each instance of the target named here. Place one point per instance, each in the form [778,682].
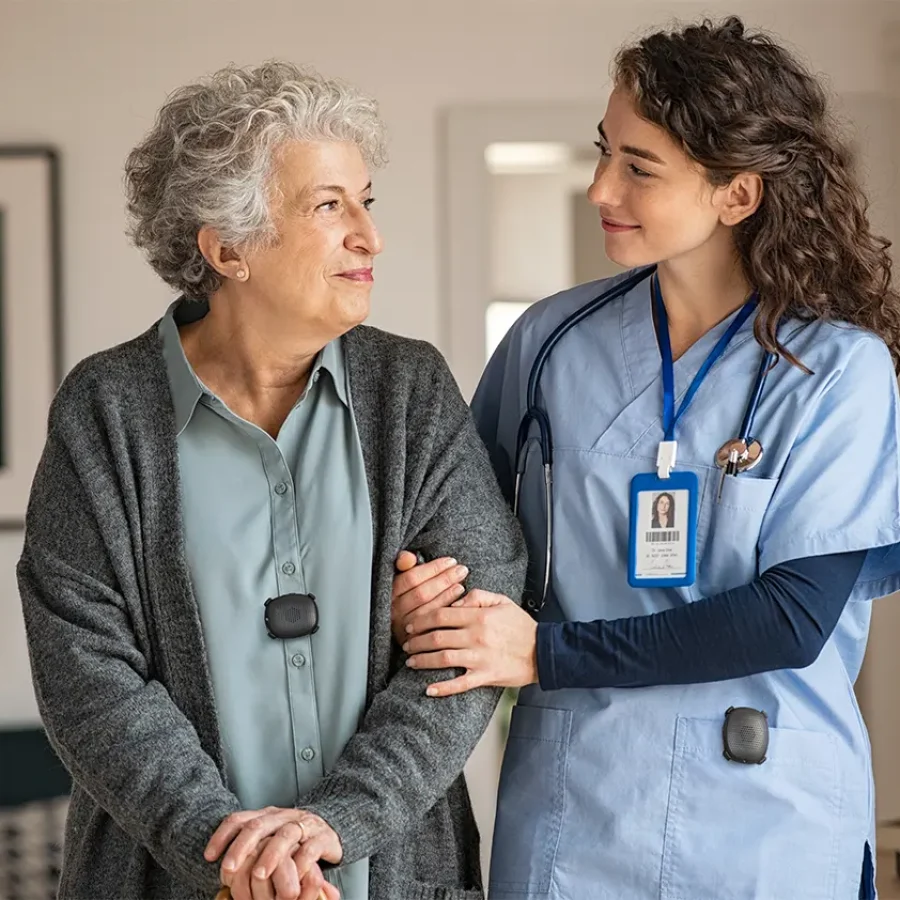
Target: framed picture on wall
[30,316]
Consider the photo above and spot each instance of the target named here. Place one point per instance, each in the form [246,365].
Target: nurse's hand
[486,634]
[422,588]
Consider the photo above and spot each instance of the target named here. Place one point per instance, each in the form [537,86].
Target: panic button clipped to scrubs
[745,735]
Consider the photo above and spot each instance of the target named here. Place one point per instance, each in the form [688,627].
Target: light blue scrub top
[624,793]
[264,517]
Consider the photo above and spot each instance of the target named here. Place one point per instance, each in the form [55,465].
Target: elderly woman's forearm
[409,751]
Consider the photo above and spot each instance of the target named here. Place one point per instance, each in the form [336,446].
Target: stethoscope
[737,455]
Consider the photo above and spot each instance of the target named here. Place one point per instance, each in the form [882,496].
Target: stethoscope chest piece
[738,455]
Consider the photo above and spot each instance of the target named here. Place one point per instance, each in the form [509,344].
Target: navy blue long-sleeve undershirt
[779,621]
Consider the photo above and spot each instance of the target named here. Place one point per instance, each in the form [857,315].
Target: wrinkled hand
[281,844]
[420,589]
[486,634]
[285,883]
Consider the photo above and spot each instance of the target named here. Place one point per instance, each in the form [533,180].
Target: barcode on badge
[663,537]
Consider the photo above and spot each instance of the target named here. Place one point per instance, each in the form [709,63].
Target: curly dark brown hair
[736,102]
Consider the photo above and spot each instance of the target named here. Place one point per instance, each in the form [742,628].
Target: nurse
[687,727]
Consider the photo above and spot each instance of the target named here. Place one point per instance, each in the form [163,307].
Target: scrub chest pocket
[729,531]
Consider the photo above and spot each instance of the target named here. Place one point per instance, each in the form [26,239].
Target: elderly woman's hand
[285,883]
[486,634]
[420,589]
[260,841]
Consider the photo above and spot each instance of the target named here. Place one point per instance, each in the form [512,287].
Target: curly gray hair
[209,160]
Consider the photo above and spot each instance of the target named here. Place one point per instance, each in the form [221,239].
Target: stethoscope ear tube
[548,546]
[534,414]
[766,364]
[533,605]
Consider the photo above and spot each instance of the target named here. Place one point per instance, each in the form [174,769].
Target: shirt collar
[187,389]
[332,360]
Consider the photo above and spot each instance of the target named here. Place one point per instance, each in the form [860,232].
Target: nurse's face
[655,203]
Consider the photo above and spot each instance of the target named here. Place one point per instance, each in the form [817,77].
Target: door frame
[465,233]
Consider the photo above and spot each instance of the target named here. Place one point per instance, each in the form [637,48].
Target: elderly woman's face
[321,265]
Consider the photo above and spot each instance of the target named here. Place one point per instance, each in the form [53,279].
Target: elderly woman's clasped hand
[274,853]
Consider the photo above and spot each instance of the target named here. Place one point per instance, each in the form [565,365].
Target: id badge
[662,545]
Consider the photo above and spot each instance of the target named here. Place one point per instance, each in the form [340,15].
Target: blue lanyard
[670,415]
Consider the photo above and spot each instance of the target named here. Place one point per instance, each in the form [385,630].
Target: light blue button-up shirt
[264,517]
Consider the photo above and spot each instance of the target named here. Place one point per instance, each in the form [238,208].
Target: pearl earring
[241,274]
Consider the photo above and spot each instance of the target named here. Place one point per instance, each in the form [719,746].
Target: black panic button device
[745,735]
[291,616]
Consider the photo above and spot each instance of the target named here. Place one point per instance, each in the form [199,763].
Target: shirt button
[308,755]
[299,660]
[280,488]
[288,568]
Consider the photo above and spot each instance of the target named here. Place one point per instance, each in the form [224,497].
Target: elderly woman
[212,530]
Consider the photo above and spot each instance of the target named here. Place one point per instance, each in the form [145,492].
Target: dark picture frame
[31,321]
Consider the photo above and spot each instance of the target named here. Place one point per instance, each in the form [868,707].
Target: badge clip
[665,458]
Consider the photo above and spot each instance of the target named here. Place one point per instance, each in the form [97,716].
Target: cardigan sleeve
[410,747]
